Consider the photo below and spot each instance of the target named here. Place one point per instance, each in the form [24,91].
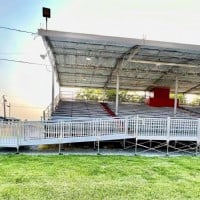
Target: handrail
[48,111]
[163,128]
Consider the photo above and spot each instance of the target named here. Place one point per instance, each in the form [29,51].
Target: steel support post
[117,95]
[17,147]
[53,90]
[135,146]
[126,131]
[98,149]
[17,152]
[197,147]
[60,95]
[4,106]
[59,149]
[168,135]
[61,136]
[124,143]
[176,96]
[198,136]
[167,153]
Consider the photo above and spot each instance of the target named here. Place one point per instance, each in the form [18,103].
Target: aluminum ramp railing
[134,127]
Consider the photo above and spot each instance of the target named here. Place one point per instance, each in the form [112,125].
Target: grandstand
[145,110]
[68,109]
[192,109]
[90,109]
[94,61]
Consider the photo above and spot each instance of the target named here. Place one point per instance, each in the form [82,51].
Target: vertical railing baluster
[168,134]
[20,133]
[198,135]
[168,128]
[137,126]
[126,126]
[17,131]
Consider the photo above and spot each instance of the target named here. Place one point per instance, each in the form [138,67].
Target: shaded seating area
[145,110]
[192,109]
[86,109]
[105,62]
[76,109]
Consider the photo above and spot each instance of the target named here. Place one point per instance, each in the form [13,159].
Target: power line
[25,106]
[18,30]
[30,107]
[16,53]
[22,61]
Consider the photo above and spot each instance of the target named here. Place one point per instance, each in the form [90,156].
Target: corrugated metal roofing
[83,60]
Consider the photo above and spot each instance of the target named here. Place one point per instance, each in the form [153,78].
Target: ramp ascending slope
[36,133]
[138,127]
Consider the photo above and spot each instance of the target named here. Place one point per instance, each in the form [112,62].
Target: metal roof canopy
[84,60]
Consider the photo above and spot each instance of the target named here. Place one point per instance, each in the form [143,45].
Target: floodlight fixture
[88,58]
[46,12]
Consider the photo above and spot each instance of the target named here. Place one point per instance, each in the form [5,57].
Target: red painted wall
[161,98]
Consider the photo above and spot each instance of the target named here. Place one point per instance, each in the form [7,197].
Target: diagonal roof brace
[51,55]
[162,63]
[189,90]
[120,61]
[155,82]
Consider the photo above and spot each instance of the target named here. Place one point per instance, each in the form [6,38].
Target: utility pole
[9,106]
[4,106]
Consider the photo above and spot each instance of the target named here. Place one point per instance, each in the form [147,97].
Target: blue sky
[16,80]
[28,86]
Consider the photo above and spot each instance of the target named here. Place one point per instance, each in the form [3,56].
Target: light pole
[46,13]
[9,106]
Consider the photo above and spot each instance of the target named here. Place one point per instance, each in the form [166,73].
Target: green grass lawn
[99,177]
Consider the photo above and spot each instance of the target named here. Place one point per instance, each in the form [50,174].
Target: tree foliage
[108,95]
[127,96]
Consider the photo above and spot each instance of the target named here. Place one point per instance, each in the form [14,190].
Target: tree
[109,95]
[90,94]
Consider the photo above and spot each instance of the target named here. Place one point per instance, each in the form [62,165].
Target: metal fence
[139,127]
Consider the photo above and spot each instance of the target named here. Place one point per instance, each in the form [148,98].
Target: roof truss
[83,60]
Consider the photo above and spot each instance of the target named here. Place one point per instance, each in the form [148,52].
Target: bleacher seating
[143,109]
[92,110]
[82,109]
[192,109]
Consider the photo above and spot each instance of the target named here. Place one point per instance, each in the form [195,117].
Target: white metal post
[198,135]
[61,130]
[17,129]
[176,95]
[126,125]
[59,93]
[136,133]
[168,128]
[98,147]
[168,135]
[117,95]
[52,91]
